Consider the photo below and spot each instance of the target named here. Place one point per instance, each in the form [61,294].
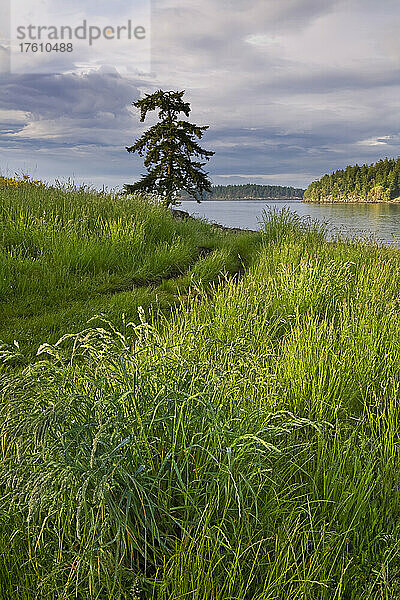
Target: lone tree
[169,148]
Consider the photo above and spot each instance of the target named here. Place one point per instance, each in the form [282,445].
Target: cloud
[68,108]
[74,95]
[290,89]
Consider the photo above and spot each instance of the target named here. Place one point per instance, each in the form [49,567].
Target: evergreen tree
[169,148]
[252,190]
[379,182]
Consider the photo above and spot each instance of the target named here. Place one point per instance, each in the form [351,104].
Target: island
[251,191]
[377,182]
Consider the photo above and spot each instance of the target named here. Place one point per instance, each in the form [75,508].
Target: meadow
[234,436]
[69,253]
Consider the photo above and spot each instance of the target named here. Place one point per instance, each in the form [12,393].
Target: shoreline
[350,202]
[182,215]
[292,199]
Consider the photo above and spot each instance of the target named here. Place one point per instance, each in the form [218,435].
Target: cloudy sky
[291,89]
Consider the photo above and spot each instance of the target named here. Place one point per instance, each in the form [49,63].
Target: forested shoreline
[378,182]
[252,191]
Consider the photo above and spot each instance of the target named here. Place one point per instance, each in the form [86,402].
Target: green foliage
[169,147]
[253,191]
[378,182]
[68,254]
[244,446]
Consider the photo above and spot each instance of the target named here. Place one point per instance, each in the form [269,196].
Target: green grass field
[66,255]
[235,436]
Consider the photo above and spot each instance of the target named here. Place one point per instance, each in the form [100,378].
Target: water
[380,222]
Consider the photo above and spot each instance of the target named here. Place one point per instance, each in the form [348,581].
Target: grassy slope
[68,255]
[243,446]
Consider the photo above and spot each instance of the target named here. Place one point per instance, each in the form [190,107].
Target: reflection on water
[380,222]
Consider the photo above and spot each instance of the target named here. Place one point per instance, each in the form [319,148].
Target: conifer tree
[173,158]
[379,182]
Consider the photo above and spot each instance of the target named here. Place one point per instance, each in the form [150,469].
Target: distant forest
[251,190]
[378,182]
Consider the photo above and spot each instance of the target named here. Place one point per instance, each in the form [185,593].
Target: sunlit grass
[243,445]
[66,253]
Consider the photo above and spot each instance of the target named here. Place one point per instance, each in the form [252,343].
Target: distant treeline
[378,182]
[251,190]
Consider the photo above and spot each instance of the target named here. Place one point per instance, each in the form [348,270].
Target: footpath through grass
[244,445]
[66,255]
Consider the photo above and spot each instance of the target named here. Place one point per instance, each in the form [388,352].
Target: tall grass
[63,245]
[243,446]
[67,254]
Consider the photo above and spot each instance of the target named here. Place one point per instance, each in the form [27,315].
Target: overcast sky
[291,89]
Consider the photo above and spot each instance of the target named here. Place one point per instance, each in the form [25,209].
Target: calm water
[380,222]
